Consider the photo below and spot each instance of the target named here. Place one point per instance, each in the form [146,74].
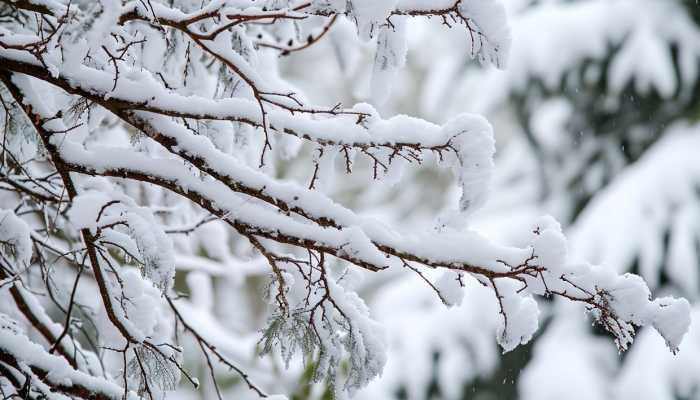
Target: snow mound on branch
[629,298]
[671,318]
[491,42]
[368,14]
[143,305]
[472,138]
[549,243]
[520,320]
[86,208]
[620,303]
[15,242]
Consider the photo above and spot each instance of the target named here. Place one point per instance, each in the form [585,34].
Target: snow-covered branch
[111,95]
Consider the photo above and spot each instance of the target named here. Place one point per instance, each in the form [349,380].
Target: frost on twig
[152,372]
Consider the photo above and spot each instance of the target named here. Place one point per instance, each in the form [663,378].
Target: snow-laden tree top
[128,122]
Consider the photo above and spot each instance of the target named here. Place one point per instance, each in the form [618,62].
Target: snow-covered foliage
[142,146]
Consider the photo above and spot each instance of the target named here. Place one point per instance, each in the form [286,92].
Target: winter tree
[141,155]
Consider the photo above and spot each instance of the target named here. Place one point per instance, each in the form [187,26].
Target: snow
[450,288]
[390,56]
[369,14]
[205,104]
[494,37]
[473,139]
[628,295]
[94,209]
[86,208]
[59,371]
[672,320]
[549,243]
[520,320]
[15,240]
[17,137]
